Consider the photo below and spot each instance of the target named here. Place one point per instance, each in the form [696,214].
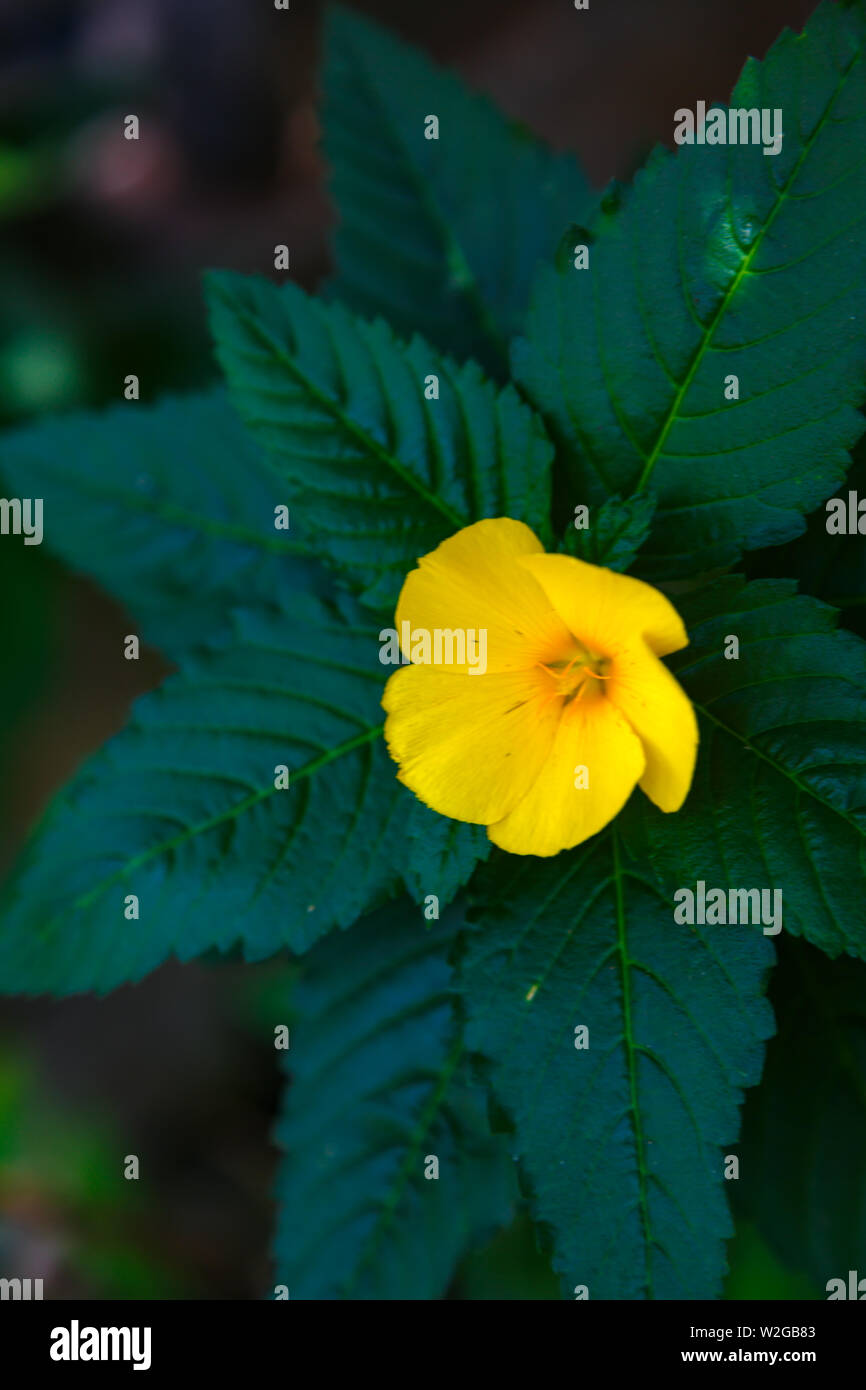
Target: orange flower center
[577,674]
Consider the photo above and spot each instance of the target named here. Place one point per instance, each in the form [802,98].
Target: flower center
[578,674]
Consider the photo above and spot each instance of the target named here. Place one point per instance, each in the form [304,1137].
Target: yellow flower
[573,707]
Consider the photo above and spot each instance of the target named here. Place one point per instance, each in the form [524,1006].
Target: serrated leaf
[802,1180]
[622,1142]
[181,810]
[378,1082]
[722,262]
[779,796]
[617,530]
[441,853]
[380,474]
[169,507]
[441,236]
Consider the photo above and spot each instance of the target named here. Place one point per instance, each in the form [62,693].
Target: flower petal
[604,609]
[555,814]
[473,581]
[469,746]
[661,714]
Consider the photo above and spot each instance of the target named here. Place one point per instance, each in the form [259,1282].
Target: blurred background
[102,241]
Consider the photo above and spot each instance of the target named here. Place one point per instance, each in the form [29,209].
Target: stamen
[570,684]
[552,695]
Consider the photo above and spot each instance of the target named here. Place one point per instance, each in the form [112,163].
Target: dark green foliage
[441,853]
[802,1179]
[378,1082]
[779,796]
[511,1266]
[621,1140]
[181,810]
[477,209]
[617,530]
[719,261]
[169,507]
[829,565]
[722,260]
[381,474]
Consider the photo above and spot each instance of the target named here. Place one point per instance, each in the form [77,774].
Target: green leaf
[168,507]
[441,853]
[441,236]
[380,474]
[830,566]
[181,810]
[802,1180]
[617,530]
[779,796]
[379,1081]
[622,1142]
[722,261]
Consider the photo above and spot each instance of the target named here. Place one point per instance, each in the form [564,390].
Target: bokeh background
[102,242]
